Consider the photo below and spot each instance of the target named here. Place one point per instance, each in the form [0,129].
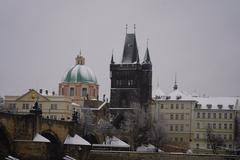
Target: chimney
[46,91]
[40,91]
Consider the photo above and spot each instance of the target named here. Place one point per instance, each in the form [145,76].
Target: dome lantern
[80,59]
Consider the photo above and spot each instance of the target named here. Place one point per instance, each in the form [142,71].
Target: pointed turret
[175,87]
[130,52]
[112,61]
[147,59]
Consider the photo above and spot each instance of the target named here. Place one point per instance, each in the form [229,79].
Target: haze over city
[198,40]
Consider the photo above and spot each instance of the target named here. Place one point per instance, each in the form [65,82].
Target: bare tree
[157,134]
[216,142]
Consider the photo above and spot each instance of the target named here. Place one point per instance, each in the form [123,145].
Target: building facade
[197,123]
[53,106]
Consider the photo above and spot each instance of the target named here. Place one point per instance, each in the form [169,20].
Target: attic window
[179,97]
[209,106]
[230,106]
[220,106]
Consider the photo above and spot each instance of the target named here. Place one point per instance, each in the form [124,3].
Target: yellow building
[53,106]
[216,117]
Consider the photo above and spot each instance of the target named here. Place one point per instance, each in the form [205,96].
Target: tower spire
[112,61]
[175,87]
[134,27]
[126,28]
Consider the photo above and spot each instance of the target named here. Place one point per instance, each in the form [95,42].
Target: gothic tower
[131,81]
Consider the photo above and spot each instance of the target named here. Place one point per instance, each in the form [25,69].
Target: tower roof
[130,52]
[147,59]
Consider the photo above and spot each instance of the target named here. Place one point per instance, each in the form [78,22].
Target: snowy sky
[197,39]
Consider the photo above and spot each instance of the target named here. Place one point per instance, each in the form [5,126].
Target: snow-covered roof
[158,93]
[39,138]
[216,102]
[76,140]
[114,141]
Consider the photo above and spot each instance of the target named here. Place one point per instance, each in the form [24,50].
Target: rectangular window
[198,125]
[230,137]
[181,127]
[209,115]
[182,106]
[71,91]
[171,106]
[225,115]
[176,116]
[53,106]
[171,116]
[177,106]
[84,92]
[225,126]
[171,127]
[197,136]
[230,116]
[219,126]
[214,115]
[230,126]
[203,115]
[182,116]
[198,115]
[220,115]
[214,125]
[176,127]
[162,106]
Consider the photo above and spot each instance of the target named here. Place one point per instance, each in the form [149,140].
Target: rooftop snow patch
[76,140]
[39,138]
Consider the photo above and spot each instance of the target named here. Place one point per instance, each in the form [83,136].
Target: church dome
[80,73]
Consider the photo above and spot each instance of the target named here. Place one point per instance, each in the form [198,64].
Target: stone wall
[118,155]
[29,150]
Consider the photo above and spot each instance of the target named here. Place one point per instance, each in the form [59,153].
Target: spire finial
[158,82]
[175,87]
[80,52]
[147,42]
[134,27]
[112,61]
[126,28]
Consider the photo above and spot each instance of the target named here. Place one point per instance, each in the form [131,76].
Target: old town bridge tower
[131,80]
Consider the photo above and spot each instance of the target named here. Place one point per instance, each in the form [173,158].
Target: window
[162,106]
[230,106]
[182,116]
[225,115]
[209,115]
[181,139]
[84,92]
[198,115]
[214,115]
[62,91]
[182,106]
[230,126]
[219,126]
[71,91]
[230,115]
[176,116]
[224,136]
[53,106]
[230,146]
[176,139]
[203,115]
[171,116]
[225,126]
[181,127]
[171,106]
[171,127]
[25,106]
[12,105]
[177,106]
[176,127]
[214,125]
[230,137]
[220,106]
[219,115]
[197,146]
[198,125]
[197,136]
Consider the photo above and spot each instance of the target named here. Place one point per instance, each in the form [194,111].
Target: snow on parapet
[76,140]
[39,138]
[114,141]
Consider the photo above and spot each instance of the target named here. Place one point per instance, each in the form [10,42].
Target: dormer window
[199,106]
[220,106]
[209,106]
[179,97]
[230,106]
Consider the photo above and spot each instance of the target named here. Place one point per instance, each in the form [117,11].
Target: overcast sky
[197,39]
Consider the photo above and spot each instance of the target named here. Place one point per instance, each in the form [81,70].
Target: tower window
[84,92]
[71,91]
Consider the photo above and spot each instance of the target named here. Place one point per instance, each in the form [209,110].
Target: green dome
[80,73]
